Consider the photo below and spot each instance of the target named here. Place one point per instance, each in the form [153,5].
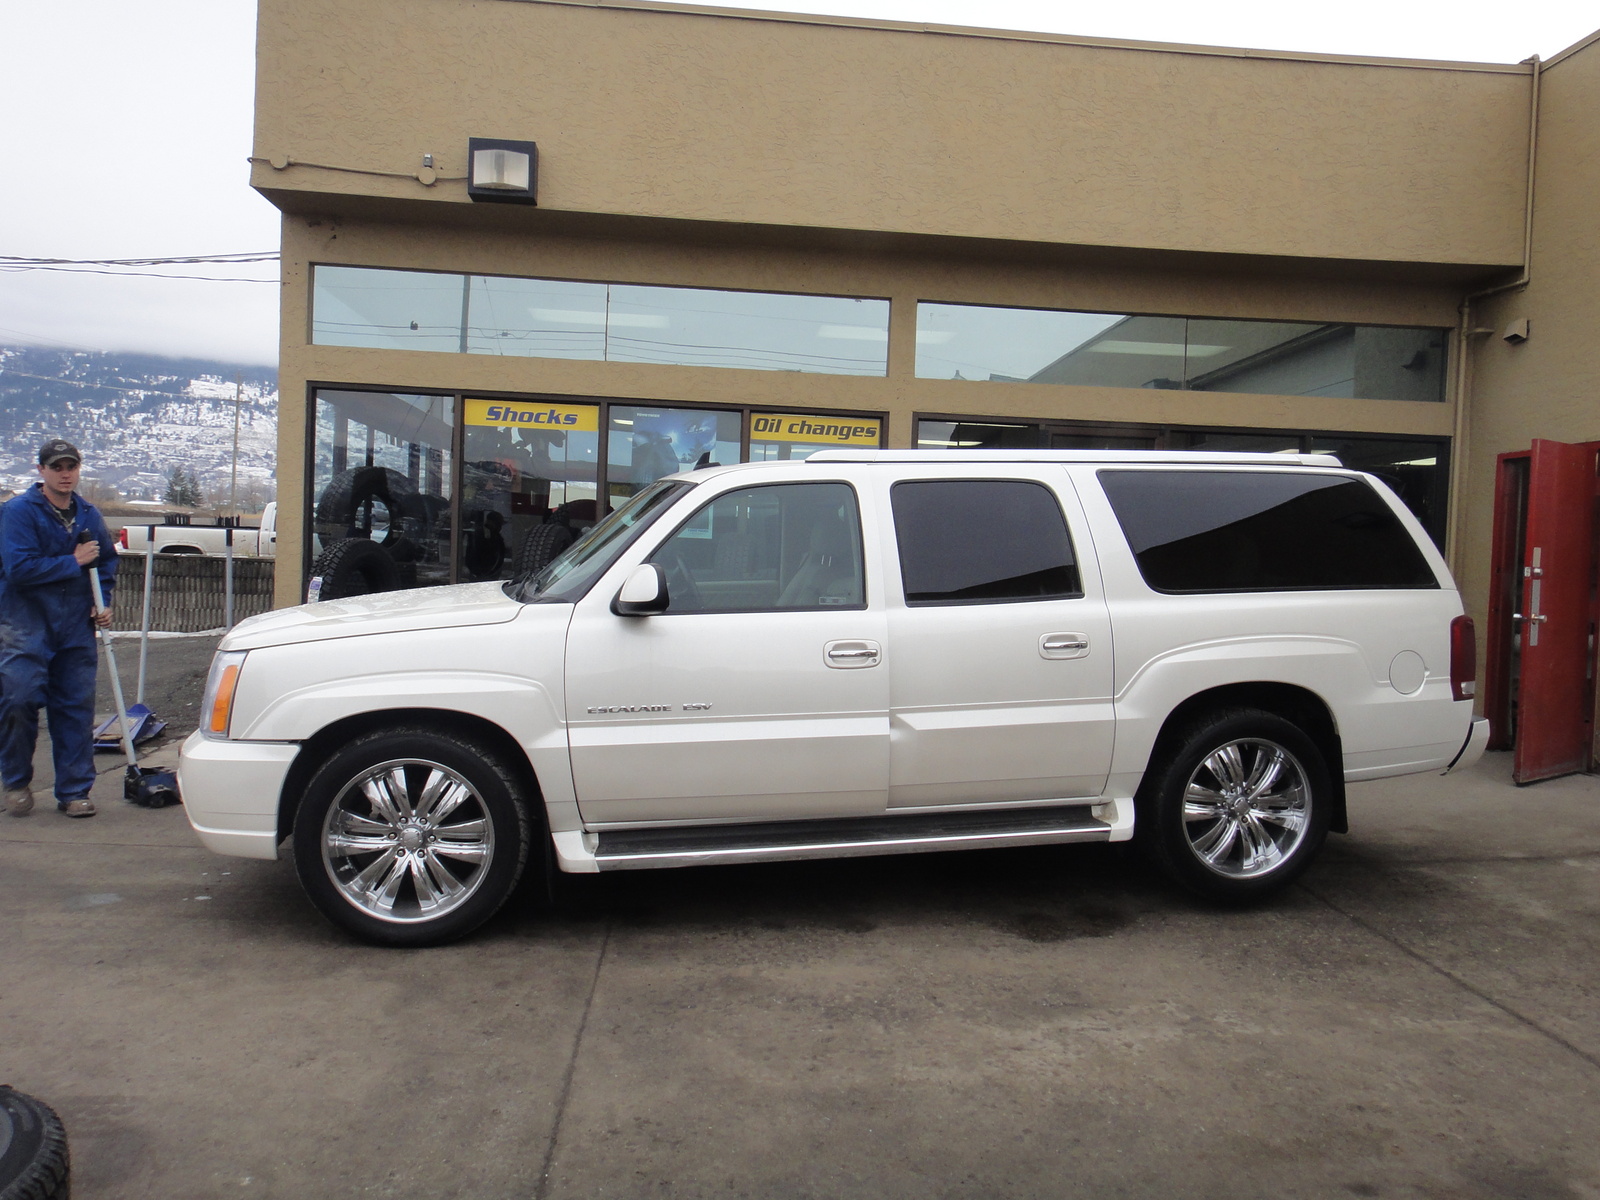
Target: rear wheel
[1237,806]
[410,836]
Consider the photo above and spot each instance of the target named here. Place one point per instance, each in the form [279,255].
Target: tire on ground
[355,567]
[34,1162]
[1268,786]
[540,547]
[460,839]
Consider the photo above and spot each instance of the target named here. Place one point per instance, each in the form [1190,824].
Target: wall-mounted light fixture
[502,172]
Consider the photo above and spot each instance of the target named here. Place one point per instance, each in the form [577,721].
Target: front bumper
[231,792]
[1471,749]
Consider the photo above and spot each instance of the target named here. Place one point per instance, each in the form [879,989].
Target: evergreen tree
[175,487]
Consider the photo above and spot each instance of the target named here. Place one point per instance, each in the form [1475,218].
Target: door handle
[852,654]
[1064,645]
[1536,618]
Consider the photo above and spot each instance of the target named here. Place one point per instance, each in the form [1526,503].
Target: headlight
[216,710]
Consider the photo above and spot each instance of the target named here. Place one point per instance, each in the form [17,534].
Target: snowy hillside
[136,417]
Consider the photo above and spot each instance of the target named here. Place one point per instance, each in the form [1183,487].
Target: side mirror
[644,594]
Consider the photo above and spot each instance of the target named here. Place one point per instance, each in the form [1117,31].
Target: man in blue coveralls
[47,624]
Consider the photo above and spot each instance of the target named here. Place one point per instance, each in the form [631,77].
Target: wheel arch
[1306,709]
[315,750]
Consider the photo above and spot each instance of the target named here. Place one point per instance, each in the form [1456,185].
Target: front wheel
[1237,805]
[409,837]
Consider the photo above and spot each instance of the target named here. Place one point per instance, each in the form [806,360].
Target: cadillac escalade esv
[860,653]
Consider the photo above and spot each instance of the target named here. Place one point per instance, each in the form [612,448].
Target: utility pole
[233,475]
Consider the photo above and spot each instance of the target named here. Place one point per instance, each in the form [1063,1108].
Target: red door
[1554,719]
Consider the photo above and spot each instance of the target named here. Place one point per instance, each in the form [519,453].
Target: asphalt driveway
[1420,1019]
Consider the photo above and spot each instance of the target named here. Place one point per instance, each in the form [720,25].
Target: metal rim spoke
[1246,808]
[386,850]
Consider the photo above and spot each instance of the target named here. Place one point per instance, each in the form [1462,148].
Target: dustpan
[142,726]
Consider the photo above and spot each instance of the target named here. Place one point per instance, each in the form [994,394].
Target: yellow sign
[523,414]
[831,431]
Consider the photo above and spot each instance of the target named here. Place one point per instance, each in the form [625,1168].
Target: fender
[1333,669]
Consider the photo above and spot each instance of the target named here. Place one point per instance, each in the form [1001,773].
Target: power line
[240,256]
[125,266]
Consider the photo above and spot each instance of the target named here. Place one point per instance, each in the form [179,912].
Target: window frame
[1076,563]
[860,549]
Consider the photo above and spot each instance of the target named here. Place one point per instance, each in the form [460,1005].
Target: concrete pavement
[1419,1019]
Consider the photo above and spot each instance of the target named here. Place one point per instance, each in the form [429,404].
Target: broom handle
[111,660]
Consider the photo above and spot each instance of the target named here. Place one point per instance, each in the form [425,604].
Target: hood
[387,612]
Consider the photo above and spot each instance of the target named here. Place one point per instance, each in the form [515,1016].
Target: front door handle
[1064,645]
[847,654]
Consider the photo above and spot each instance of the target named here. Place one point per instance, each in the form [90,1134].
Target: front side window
[982,541]
[1262,531]
[765,549]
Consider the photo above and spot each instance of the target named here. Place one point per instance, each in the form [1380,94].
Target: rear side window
[982,541]
[1262,531]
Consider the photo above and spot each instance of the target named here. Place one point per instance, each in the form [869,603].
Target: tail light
[122,537]
[1463,659]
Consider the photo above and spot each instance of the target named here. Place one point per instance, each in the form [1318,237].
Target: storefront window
[645,444]
[1019,345]
[386,310]
[977,435]
[599,322]
[524,464]
[380,492]
[784,437]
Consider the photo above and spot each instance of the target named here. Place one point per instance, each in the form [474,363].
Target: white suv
[860,653]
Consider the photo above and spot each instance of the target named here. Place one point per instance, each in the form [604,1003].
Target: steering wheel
[681,590]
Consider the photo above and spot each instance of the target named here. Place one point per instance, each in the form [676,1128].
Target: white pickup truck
[261,542]
[861,653]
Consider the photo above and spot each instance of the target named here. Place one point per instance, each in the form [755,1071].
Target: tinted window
[783,546]
[967,541]
[1262,531]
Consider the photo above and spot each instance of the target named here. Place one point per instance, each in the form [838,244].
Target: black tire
[540,547]
[355,567]
[1267,785]
[341,501]
[384,894]
[34,1162]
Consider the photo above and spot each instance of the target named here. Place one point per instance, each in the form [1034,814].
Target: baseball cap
[55,450]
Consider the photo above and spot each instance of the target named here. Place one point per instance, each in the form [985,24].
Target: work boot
[19,800]
[76,808]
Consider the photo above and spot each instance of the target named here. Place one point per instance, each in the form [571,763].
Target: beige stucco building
[756,233]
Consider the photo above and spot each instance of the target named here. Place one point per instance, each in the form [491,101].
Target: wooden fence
[189,591]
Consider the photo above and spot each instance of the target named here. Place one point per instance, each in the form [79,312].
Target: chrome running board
[773,841]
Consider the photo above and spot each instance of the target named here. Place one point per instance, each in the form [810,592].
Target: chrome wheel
[1246,808]
[407,840]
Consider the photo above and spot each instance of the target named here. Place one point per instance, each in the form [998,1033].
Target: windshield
[570,573]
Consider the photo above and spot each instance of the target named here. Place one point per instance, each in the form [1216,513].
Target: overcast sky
[128,124]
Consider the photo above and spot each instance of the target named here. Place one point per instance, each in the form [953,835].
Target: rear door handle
[848,654]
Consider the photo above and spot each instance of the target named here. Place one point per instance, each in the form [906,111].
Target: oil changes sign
[816,431]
